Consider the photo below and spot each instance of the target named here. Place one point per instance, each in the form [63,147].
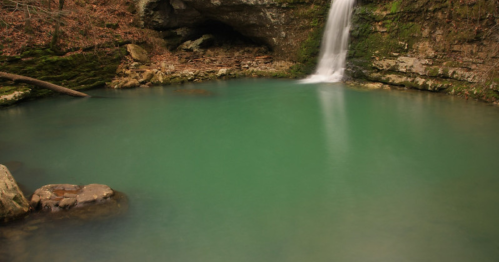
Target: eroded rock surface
[13,204]
[65,196]
[279,25]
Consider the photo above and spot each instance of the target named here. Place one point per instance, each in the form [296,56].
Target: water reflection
[333,110]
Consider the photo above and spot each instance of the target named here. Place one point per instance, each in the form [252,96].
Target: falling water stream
[334,46]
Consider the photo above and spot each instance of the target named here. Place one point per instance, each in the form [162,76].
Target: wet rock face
[268,22]
[12,201]
[65,196]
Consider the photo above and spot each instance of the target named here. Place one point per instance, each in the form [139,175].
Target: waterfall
[334,45]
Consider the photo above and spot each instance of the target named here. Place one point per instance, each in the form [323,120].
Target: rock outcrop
[13,204]
[137,53]
[440,45]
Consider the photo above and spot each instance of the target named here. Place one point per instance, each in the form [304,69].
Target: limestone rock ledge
[427,45]
[13,204]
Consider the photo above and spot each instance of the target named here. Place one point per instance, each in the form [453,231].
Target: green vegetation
[433,72]
[308,55]
[5,90]
[310,48]
[395,6]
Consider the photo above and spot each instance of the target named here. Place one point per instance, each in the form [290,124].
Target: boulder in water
[13,204]
[58,197]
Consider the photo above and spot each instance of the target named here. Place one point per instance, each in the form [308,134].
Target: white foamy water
[334,46]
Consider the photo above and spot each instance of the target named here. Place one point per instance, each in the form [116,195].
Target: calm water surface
[264,171]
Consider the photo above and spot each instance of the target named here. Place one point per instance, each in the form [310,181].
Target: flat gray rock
[57,197]
[93,193]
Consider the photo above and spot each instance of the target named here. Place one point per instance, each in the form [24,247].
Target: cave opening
[223,34]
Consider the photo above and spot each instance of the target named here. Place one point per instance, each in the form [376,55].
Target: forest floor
[28,24]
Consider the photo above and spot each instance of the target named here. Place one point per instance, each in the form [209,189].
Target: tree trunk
[42,84]
[55,37]
[27,18]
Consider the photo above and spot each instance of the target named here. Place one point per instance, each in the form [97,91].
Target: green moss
[368,12]
[307,55]
[275,74]
[92,85]
[7,90]
[310,48]
[408,31]
[367,43]
[445,72]
[434,71]
[481,92]
[395,6]
[37,52]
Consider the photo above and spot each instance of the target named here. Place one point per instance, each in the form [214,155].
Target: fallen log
[42,84]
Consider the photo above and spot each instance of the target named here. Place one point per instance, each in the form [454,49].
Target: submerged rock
[13,204]
[65,196]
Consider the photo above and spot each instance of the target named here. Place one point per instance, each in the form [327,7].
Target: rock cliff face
[281,25]
[436,45]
